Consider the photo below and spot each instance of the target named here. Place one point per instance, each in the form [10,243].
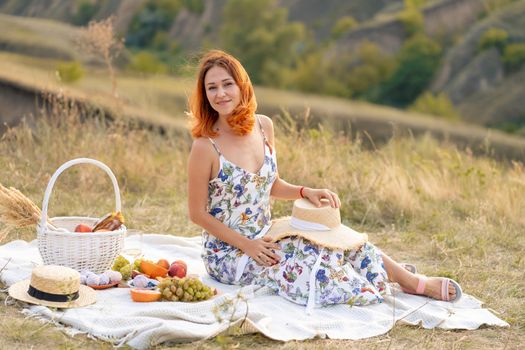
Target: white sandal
[445,282]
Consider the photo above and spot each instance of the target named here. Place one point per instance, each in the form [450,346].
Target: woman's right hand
[315,195]
[262,250]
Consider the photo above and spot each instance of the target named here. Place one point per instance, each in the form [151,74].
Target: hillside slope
[442,18]
[38,37]
[160,102]
[189,29]
[47,39]
[477,81]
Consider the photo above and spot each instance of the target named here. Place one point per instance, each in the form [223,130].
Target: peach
[178,269]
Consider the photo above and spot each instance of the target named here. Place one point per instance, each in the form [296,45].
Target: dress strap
[264,135]
[262,130]
[215,146]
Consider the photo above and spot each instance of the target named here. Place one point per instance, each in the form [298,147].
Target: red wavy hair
[204,116]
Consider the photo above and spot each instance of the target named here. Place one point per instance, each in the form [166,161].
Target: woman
[232,173]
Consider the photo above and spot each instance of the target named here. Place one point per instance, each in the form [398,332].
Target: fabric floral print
[241,200]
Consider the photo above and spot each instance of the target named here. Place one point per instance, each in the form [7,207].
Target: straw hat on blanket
[320,225]
[54,286]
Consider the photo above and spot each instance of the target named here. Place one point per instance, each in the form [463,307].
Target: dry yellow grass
[422,201]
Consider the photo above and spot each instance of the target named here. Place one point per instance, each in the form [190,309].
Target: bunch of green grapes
[185,289]
[123,266]
[136,265]
[119,262]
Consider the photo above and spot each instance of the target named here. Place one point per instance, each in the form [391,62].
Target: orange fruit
[164,263]
[152,269]
[144,295]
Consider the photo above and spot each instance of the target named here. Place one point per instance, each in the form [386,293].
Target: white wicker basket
[93,251]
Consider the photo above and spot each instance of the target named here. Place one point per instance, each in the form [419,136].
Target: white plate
[131,285]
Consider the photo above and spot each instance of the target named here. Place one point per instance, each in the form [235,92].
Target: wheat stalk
[17,211]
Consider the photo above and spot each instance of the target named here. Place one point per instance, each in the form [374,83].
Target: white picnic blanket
[114,317]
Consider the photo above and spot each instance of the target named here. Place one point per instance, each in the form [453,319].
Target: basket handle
[69,164]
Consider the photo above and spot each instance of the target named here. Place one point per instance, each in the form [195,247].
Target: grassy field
[427,202]
[450,211]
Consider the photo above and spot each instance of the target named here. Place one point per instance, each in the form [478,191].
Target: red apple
[178,269]
[83,228]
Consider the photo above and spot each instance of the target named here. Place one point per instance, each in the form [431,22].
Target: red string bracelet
[301,192]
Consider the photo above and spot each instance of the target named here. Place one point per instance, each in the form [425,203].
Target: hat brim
[341,237]
[86,296]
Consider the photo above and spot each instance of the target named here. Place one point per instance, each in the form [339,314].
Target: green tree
[347,75]
[70,72]
[152,17]
[315,74]
[160,40]
[438,105]
[514,56]
[195,6]
[412,17]
[85,12]
[258,33]
[414,3]
[146,62]
[343,26]
[493,37]
[417,62]
[373,68]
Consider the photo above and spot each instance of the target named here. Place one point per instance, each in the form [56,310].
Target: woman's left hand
[315,195]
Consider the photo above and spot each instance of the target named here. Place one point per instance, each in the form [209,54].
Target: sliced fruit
[152,269]
[164,263]
[144,295]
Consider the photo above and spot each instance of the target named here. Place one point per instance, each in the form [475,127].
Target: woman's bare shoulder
[265,120]
[267,124]
[202,146]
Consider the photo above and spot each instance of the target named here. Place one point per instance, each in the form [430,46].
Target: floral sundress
[241,200]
